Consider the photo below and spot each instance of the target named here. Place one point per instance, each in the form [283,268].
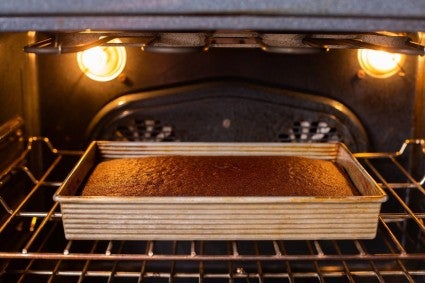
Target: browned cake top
[218,176]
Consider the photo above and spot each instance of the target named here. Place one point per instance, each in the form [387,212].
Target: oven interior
[208,84]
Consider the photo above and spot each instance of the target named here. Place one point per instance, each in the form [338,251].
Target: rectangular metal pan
[219,218]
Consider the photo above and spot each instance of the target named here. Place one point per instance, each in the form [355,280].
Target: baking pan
[219,218]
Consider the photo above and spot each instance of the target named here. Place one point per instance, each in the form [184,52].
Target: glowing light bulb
[379,64]
[103,63]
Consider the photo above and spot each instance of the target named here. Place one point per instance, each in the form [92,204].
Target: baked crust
[218,176]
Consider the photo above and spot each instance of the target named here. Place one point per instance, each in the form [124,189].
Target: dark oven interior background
[57,100]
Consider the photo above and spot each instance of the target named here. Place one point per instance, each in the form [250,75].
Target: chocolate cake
[218,176]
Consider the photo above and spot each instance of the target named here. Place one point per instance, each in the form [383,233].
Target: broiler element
[168,42]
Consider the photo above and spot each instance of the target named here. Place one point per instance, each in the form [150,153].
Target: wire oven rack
[33,247]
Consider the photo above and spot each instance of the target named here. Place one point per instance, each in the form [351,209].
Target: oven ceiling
[289,15]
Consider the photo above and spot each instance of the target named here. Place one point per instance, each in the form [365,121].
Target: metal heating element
[33,247]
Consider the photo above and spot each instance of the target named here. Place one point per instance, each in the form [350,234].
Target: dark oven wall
[16,97]
[69,100]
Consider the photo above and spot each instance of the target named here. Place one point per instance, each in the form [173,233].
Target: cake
[218,176]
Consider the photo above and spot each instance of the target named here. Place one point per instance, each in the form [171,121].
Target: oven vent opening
[143,130]
[306,131]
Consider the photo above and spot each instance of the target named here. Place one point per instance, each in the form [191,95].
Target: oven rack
[33,247]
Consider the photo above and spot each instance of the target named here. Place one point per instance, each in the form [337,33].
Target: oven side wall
[18,82]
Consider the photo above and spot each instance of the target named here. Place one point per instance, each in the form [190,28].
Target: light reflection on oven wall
[12,68]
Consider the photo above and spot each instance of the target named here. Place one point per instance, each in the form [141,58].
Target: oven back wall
[69,99]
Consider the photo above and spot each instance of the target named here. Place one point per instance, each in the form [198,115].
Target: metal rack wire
[33,247]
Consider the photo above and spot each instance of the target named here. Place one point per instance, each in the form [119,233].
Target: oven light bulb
[379,64]
[94,59]
[103,63]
